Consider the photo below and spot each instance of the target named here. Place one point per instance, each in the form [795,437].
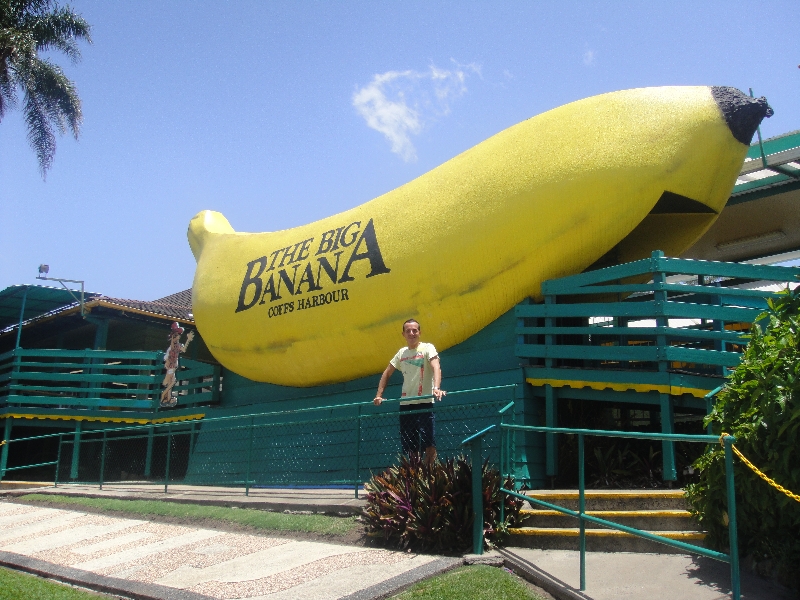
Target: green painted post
[550,420]
[76,451]
[477,495]
[4,453]
[169,456]
[358,450]
[732,533]
[582,509]
[668,447]
[58,461]
[191,438]
[550,403]
[667,405]
[21,316]
[249,459]
[148,459]
[103,460]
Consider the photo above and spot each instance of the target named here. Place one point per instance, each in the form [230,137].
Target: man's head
[411,329]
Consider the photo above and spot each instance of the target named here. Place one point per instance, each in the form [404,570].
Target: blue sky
[280,113]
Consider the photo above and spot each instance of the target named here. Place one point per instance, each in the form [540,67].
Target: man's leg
[408,432]
[427,431]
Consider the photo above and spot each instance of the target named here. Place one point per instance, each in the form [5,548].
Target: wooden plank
[641,310]
[72,401]
[84,377]
[639,332]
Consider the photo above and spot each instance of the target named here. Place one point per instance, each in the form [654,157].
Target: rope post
[477,496]
[4,450]
[582,509]
[148,460]
[727,442]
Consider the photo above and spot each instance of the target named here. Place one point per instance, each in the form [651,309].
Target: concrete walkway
[145,559]
[186,563]
[635,576]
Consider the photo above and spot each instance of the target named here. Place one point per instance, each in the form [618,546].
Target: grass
[258,519]
[15,585]
[478,582]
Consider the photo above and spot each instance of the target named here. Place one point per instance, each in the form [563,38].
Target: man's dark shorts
[417,429]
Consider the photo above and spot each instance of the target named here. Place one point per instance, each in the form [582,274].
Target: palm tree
[28,27]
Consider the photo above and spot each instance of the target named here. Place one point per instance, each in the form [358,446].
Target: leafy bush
[429,507]
[760,405]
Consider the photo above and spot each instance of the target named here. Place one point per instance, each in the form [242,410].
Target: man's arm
[383,383]
[437,379]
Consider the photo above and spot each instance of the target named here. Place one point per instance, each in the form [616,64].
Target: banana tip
[204,224]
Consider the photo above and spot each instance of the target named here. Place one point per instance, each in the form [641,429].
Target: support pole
[358,451]
[550,404]
[169,456]
[21,316]
[76,451]
[668,447]
[148,459]
[477,495]
[582,509]
[667,405]
[249,459]
[4,450]
[102,460]
[732,533]
[58,460]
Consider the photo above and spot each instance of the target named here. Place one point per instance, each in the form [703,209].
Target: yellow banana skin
[461,245]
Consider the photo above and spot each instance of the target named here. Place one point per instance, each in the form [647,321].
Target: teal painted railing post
[358,451]
[103,460]
[148,459]
[665,400]
[249,458]
[4,450]
[477,495]
[58,461]
[550,403]
[732,533]
[169,456]
[582,509]
[76,451]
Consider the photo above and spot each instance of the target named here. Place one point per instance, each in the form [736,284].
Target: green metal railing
[329,445]
[475,442]
[99,380]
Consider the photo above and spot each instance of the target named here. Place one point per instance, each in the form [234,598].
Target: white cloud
[588,58]
[398,104]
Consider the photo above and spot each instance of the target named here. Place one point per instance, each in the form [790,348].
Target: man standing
[422,376]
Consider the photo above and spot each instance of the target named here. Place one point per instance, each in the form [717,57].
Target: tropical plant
[760,405]
[50,99]
[429,506]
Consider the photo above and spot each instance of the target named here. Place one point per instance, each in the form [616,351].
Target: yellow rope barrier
[758,472]
[3,443]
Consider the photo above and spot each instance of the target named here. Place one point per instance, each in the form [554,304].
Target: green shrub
[429,507]
[760,405]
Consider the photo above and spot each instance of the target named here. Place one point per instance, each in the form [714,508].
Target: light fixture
[45,269]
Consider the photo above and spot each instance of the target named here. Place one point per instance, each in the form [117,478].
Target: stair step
[601,533]
[603,514]
[613,499]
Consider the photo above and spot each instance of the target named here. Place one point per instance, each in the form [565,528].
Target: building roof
[176,307]
[782,168]
[38,300]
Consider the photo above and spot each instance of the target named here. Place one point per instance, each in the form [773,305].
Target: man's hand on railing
[377,401]
[438,394]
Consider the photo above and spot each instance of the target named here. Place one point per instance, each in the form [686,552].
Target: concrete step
[614,499]
[598,540]
[662,512]
[649,520]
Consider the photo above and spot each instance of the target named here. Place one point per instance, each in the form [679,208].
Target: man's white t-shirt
[415,365]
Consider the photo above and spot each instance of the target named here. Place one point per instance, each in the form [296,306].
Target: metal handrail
[727,441]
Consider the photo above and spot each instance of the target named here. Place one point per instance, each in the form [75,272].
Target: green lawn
[478,582]
[15,586]
[259,519]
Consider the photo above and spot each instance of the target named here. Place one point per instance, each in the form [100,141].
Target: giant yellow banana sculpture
[616,175]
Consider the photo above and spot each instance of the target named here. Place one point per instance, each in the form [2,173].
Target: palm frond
[59,30]
[40,132]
